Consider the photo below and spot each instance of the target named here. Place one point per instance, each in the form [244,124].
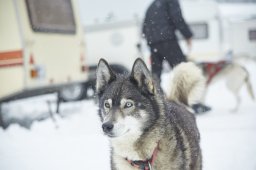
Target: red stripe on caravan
[11,58]
[10,65]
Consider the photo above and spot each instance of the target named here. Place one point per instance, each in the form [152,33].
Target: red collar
[145,164]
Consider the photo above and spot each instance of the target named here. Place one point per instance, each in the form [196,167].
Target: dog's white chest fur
[124,147]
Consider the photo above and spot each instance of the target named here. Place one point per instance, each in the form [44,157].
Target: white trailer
[118,39]
[116,36]
[116,42]
[238,25]
[203,18]
[41,47]
[243,37]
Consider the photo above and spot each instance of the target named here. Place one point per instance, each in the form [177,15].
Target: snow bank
[76,141]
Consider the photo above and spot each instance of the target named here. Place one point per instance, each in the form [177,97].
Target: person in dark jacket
[163,18]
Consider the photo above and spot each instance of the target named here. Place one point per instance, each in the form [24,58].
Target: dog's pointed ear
[142,76]
[104,76]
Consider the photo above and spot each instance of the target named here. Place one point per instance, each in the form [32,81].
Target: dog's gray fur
[142,118]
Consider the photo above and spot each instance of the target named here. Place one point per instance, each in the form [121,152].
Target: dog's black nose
[107,127]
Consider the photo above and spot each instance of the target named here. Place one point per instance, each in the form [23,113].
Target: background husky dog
[147,131]
[233,73]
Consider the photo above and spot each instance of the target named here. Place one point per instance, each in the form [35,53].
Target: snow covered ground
[75,141]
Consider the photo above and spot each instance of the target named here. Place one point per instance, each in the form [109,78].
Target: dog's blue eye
[128,104]
[107,105]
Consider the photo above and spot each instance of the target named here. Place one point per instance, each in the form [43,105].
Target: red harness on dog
[146,164]
[212,68]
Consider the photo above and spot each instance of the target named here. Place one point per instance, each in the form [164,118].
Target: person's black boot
[200,108]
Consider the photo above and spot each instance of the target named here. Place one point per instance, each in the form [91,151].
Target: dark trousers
[169,51]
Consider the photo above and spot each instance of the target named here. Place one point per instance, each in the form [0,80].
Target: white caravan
[41,47]
[117,37]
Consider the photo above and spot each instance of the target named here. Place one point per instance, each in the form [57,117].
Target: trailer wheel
[1,118]
[72,92]
[89,91]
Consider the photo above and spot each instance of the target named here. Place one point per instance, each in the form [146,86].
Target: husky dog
[235,75]
[146,130]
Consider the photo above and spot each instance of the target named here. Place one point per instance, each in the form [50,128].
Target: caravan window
[252,35]
[51,16]
[200,31]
